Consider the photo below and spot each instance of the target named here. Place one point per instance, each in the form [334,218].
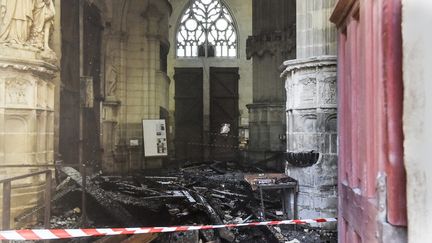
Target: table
[289,197]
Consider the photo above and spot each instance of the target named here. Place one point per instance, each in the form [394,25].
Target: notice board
[155,138]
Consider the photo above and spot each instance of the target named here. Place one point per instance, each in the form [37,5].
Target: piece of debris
[293,241]
[215,219]
[213,193]
[102,197]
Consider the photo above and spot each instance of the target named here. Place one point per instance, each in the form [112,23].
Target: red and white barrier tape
[50,234]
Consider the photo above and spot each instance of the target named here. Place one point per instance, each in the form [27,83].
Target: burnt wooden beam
[224,233]
[111,206]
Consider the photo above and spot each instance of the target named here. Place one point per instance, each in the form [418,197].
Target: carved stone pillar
[311,126]
[311,110]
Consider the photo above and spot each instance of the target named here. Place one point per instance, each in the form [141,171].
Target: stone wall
[136,86]
[417,116]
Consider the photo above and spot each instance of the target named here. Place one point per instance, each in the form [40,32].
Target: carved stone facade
[274,43]
[311,111]
[28,90]
[27,113]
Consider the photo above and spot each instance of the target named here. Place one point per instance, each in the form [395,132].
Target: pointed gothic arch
[206,28]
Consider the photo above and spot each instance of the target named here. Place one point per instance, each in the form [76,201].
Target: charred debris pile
[197,194]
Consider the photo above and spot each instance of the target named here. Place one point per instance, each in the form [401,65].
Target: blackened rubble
[208,193]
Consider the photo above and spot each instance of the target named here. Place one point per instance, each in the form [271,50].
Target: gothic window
[206,29]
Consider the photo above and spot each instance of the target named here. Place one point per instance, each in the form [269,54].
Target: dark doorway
[224,108]
[188,114]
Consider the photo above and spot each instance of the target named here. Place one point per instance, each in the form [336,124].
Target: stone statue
[16,19]
[112,78]
[43,15]
[111,68]
[27,22]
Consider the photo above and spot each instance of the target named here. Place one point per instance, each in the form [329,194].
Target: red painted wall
[370,115]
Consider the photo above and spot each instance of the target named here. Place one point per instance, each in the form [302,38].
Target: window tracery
[206,29]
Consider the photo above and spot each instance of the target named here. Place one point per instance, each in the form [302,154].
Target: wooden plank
[359,213]
[396,175]
[142,238]
[215,219]
[341,12]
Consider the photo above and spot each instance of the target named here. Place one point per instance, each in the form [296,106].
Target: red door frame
[370,115]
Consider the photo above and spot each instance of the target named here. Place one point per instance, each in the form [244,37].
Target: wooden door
[188,114]
[224,109]
[372,184]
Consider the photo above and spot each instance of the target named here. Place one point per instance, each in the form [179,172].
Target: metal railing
[7,189]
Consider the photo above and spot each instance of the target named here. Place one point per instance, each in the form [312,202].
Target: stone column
[273,41]
[312,110]
[114,92]
[316,35]
[153,17]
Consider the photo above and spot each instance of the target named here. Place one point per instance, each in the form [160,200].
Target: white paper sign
[155,138]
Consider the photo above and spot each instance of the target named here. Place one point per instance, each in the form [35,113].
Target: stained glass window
[206,29]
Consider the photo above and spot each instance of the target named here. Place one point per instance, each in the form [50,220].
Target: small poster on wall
[155,138]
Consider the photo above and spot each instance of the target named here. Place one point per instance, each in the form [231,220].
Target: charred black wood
[217,196]
[219,167]
[272,233]
[189,196]
[68,187]
[112,207]
[161,178]
[149,202]
[209,236]
[230,193]
[125,187]
[180,237]
[215,219]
